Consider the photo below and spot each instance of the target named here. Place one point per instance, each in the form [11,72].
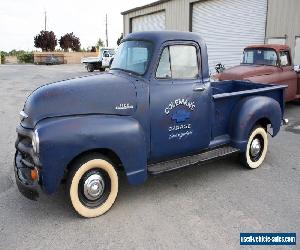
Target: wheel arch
[64,140]
[108,153]
[250,112]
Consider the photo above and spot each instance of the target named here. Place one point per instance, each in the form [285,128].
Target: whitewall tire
[257,148]
[93,186]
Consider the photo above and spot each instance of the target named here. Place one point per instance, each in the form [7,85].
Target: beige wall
[64,57]
[284,19]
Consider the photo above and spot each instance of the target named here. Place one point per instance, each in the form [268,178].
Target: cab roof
[159,37]
[277,47]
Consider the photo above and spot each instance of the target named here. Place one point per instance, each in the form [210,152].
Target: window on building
[276,40]
[297,52]
[178,62]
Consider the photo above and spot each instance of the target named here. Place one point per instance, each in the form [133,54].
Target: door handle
[200,89]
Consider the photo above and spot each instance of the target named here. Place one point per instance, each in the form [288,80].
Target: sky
[21,20]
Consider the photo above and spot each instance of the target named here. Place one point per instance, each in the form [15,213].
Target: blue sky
[21,20]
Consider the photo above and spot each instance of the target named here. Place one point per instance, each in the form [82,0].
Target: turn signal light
[34,174]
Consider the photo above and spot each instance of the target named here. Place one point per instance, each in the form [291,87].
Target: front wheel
[257,148]
[93,186]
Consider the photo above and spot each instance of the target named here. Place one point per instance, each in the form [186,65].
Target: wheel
[93,186]
[257,148]
[90,67]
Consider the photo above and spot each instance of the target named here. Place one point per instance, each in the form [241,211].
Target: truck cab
[101,62]
[154,111]
[268,63]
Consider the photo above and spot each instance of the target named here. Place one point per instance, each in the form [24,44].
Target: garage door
[228,26]
[151,22]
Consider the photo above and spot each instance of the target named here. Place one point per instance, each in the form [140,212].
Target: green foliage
[2,57]
[100,43]
[69,41]
[46,40]
[25,57]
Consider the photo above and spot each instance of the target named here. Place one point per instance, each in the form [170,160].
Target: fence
[63,57]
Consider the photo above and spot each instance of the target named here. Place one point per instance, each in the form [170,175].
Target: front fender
[247,113]
[62,139]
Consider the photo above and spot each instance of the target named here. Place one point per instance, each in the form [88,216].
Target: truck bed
[227,94]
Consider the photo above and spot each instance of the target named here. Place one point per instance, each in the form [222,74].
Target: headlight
[35,142]
[23,115]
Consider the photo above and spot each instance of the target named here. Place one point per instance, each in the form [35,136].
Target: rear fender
[62,139]
[247,113]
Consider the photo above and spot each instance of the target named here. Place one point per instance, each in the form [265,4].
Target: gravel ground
[202,207]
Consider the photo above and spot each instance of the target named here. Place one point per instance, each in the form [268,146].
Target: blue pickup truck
[154,111]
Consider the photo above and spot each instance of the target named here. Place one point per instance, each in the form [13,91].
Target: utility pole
[106,30]
[45,20]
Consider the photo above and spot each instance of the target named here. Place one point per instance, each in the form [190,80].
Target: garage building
[226,25]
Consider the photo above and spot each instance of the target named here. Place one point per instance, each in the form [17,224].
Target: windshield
[260,57]
[133,56]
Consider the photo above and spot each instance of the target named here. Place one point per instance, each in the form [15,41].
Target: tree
[69,41]
[120,39]
[100,43]
[46,40]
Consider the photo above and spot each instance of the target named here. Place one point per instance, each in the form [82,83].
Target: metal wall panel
[150,22]
[228,26]
[297,52]
[284,20]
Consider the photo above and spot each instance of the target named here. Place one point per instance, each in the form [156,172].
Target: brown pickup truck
[267,64]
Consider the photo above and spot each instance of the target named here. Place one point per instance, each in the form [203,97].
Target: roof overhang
[144,6]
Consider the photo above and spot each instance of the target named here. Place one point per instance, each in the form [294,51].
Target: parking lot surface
[199,207]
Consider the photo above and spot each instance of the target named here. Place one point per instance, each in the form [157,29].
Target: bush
[2,58]
[25,57]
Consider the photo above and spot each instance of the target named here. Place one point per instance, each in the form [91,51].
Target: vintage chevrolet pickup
[153,112]
[267,63]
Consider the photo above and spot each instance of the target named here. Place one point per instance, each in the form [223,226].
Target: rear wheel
[90,67]
[257,148]
[93,186]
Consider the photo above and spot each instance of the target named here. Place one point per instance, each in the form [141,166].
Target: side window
[164,68]
[284,58]
[178,62]
[184,63]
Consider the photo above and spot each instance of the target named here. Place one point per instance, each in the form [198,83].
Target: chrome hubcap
[94,187]
[255,147]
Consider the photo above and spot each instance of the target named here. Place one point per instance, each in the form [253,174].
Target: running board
[190,160]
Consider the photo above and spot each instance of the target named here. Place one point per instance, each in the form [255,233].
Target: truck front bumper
[30,189]
[24,162]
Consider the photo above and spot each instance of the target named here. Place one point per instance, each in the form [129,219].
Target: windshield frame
[149,61]
[261,48]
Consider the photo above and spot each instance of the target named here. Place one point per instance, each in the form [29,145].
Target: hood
[97,94]
[245,71]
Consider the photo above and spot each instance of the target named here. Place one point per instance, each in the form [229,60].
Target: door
[150,22]
[228,26]
[180,104]
[106,59]
[287,75]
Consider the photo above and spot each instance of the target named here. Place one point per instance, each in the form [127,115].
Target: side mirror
[297,68]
